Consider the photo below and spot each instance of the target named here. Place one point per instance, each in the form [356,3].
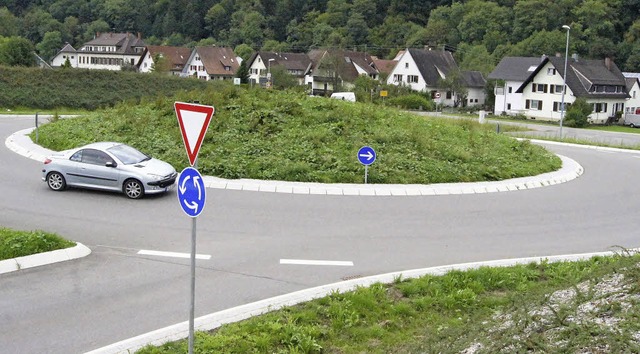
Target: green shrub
[578,114]
[21,243]
[413,101]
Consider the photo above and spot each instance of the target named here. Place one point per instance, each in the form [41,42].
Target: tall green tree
[50,45]
[8,23]
[16,51]
[243,72]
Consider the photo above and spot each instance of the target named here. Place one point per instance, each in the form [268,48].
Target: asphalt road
[115,293]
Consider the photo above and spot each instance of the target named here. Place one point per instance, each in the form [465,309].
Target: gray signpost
[366,156]
[194,121]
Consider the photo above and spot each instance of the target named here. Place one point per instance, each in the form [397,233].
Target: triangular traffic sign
[194,121]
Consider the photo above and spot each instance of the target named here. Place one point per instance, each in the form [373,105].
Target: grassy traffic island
[288,136]
[586,306]
[14,243]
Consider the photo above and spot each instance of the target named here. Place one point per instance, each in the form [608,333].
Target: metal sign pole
[36,127]
[366,173]
[193,285]
[192,303]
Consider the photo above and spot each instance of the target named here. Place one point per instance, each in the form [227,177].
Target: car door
[92,171]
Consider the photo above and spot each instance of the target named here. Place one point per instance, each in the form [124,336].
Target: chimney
[139,35]
[607,63]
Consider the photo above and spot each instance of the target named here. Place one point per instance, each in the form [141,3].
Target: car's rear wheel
[56,181]
[133,189]
[632,125]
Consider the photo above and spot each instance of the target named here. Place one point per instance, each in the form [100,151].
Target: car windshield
[127,154]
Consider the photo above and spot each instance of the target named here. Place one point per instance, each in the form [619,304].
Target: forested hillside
[480,32]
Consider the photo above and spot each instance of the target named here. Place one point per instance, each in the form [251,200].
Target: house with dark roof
[632,106]
[425,69]
[66,53]
[336,68]
[212,63]
[475,83]
[107,51]
[599,82]
[509,74]
[260,64]
[160,58]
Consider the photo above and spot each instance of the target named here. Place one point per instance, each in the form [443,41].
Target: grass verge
[563,307]
[24,243]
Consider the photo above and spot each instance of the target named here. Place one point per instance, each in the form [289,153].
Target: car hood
[153,166]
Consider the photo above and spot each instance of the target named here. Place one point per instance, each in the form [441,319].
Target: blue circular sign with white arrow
[366,155]
[191,192]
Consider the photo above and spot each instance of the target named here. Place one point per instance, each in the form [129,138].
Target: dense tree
[531,16]
[481,18]
[281,79]
[504,27]
[475,58]
[243,72]
[50,45]
[16,51]
[244,51]
[8,23]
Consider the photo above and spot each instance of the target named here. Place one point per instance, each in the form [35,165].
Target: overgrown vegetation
[284,135]
[565,307]
[578,114]
[15,243]
[84,89]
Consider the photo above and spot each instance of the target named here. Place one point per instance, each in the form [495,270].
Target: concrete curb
[217,319]
[20,143]
[66,254]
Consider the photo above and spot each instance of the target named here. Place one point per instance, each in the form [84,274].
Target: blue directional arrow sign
[191,192]
[366,155]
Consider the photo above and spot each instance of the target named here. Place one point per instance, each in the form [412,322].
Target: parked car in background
[108,166]
[345,96]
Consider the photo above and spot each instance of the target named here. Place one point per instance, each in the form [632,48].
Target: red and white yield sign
[194,121]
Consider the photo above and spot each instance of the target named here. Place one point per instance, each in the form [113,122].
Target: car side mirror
[111,164]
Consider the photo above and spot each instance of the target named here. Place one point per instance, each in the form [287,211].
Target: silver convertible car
[108,166]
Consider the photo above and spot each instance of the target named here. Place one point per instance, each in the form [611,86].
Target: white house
[337,67]
[107,51]
[633,88]
[260,64]
[475,83]
[423,70]
[66,53]
[511,73]
[164,58]
[212,63]
[599,82]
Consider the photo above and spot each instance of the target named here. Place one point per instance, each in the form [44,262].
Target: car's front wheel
[133,189]
[56,181]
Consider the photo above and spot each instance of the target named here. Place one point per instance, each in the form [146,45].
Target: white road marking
[172,254]
[312,262]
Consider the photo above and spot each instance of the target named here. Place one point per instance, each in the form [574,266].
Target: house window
[599,107]
[556,89]
[539,88]
[533,104]
[406,65]
[197,58]
[551,71]
[412,78]
[449,95]
[633,94]
[397,78]
[510,89]
[557,106]
[509,106]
